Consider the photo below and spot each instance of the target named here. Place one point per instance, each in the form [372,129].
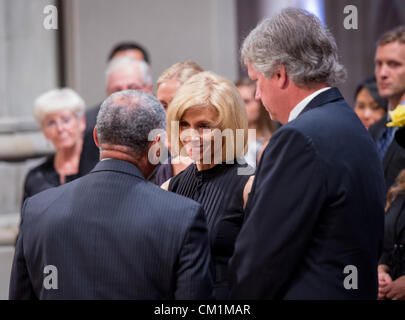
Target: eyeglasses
[58,121]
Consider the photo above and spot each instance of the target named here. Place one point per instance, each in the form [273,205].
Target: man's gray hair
[296,39]
[119,63]
[127,117]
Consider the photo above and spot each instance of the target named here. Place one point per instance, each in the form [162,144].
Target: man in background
[390,75]
[123,73]
[129,49]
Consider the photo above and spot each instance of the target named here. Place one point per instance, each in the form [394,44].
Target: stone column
[28,67]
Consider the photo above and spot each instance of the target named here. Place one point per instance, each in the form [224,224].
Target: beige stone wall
[28,60]
[175,30]
[28,67]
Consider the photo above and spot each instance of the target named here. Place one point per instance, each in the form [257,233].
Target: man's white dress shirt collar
[303,103]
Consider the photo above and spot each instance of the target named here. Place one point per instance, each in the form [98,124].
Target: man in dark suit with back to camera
[111,234]
[390,76]
[315,216]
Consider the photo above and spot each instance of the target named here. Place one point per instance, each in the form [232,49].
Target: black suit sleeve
[193,274]
[20,284]
[285,203]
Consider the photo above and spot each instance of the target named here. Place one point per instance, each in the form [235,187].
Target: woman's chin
[194,153]
[195,158]
[63,146]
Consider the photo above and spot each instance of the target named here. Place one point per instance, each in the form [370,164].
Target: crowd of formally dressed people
[266,188]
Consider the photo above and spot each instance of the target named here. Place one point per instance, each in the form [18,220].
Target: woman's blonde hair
[58,100]
[207,89]
[182,71]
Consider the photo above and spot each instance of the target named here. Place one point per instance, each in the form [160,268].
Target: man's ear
[154,150]
[282,77]
[95,137]
[156,142]
[157,139]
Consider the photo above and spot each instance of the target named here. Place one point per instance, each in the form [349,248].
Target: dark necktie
[384,141]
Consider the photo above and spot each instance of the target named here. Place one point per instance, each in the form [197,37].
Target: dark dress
[394,238]
[43,177]
[220,191]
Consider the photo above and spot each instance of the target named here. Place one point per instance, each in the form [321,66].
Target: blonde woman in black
[207,108]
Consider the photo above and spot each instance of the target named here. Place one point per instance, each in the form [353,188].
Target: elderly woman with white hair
[60,115]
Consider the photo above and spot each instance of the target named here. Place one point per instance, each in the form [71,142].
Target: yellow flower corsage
[397,116]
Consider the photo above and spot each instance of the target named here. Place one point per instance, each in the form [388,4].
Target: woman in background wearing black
[60,115]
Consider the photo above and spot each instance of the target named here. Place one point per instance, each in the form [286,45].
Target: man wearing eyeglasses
[122,73]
